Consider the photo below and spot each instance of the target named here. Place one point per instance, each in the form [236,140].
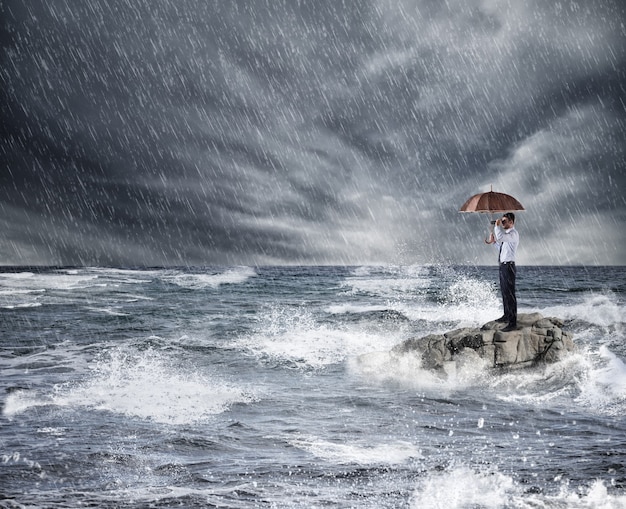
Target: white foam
[294,336]
[339,309]
[462,487]
[18,291]
[603,309]
[387,281]
[75,279]
[22,305]
[472,300]
[393,453]
[54,431]
[406,370]
[177,495]
[381,367]
[604,388]
[131,297]
[365,270]
[20,401]
[48,281]
[592,379]
[467,301]
[141,385]
[199,281]
[106,311]
[595,380]
[8,276]
[384,286]
[125,272]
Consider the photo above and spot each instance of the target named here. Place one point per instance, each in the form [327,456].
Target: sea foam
[361,454]
[294,336]
[602,309]
[462,487]
[604,389]
[464,300]
[199,281]
[142,385]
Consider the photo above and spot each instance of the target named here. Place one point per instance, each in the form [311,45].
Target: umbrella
[491,203]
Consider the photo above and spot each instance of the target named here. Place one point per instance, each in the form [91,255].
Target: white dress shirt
[506,242]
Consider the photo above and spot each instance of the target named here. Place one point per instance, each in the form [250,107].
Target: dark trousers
[507,287]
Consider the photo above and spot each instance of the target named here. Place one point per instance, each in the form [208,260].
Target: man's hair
[510,216]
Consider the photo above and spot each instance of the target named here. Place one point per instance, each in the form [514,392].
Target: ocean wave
[63,281]
[471,293]
[470,301]
[105,311]
[338,309]
[383,286]
[294,337]
[142,385]
[461,486]
[343,453]
[47,281]
[236,275]
[385,367]
[592,379]
[108,271]
[387,281]
[602,309]
[22,305]
[604,387]
[365,312]
[15,276]
[423,293]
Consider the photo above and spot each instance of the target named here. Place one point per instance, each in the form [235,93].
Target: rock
[537,339]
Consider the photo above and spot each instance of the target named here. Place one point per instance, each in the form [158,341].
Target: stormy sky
[205,132]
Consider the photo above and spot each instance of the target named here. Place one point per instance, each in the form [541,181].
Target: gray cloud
[320,132]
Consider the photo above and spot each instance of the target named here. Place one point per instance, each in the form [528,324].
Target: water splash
[143,385]
[294,336]
[604,389]
[602,309]
[462,487]
[471,301]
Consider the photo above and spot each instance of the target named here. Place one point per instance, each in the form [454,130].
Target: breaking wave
[142,385]
[199,281]
[462,487]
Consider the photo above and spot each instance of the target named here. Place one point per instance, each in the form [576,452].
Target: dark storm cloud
[249,132]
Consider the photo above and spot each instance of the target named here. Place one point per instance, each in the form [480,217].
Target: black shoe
[509,328]
[502,319]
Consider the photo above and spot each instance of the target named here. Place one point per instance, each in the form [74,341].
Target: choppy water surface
[245,387]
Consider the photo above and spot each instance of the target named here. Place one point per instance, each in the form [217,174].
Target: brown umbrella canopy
[490,203]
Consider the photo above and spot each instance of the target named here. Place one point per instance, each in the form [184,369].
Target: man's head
[508,220]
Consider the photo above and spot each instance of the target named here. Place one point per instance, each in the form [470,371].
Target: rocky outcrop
[537,339]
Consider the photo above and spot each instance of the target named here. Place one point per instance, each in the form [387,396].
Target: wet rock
[537,339]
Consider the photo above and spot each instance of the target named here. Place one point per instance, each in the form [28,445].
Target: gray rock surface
[537,339]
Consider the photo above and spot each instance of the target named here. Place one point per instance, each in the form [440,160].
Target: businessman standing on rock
[506,239]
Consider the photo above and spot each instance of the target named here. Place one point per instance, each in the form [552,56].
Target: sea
[274,387]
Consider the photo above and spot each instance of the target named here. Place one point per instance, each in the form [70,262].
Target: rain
[143,133]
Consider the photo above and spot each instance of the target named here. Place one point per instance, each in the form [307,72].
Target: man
[506,238]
